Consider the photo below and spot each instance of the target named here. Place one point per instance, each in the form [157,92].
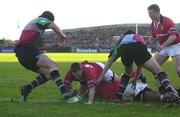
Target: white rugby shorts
[171,50]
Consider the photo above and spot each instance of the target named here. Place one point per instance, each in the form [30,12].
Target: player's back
[91,69]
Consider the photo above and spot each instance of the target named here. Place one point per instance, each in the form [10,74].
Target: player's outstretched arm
[48,46]
[106,67]
[91,95]
[55,28]
[169,41]
[136,74]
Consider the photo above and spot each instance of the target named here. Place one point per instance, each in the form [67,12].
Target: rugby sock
[155,76]
[123,84]
[41,79]
[56,78]
[163,81]
[142,78]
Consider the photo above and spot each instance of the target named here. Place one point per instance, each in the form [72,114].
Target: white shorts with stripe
[172,50]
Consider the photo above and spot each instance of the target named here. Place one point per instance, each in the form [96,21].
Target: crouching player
[86,73]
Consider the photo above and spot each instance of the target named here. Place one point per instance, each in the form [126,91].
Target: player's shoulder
[167,20]
[84,62]
[87,63]
[68,74]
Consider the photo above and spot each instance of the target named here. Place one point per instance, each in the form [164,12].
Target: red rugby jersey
[164,29]
[91,71]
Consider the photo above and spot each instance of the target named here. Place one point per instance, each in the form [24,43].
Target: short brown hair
[47,14]
[75,67]
[154,7]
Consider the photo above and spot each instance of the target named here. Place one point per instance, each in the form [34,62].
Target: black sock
[56,78]
[123,84]
[142,78]
[41,79]
[178,90]
[163,81]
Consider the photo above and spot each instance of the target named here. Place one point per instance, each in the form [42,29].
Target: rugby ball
[73,99]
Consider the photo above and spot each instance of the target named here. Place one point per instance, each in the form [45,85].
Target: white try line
[53,101]
[10,81]
[31,100]
[15,100]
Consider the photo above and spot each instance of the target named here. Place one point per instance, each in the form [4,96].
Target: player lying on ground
[108,90]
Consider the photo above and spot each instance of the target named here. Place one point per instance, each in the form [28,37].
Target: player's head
[126,33]
[154,12]
[48,15]
[129,32]
[76,70]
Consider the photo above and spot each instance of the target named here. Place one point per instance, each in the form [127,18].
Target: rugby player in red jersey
[87,73]
[164,31]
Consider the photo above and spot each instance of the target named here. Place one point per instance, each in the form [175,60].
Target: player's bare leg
[39,80]
[152,96]
[45,62]
[154,67]
[160,59]
[50,68]
[176,63]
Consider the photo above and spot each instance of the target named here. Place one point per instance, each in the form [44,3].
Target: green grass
[61,57]
[13,75]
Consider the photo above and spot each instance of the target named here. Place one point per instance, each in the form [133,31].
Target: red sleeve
[90,77]
[170,27]
[68,79]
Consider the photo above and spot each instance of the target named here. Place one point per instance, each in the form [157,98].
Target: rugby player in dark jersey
[29,53]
